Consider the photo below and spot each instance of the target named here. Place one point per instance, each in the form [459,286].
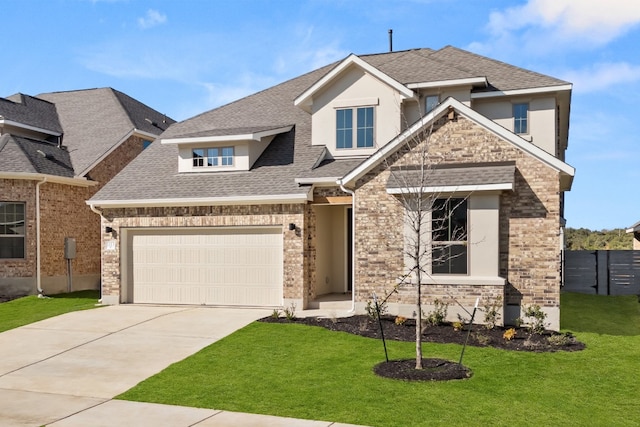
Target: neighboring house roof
[27,110]
[290,160]
[634,228]
[95,121]
[25,155]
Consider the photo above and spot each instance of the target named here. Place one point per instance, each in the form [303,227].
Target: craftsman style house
[56,151]
[291,195]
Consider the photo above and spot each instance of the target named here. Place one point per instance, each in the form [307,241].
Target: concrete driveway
[68,364]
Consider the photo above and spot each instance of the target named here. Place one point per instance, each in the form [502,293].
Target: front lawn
[23,311]
[309,372]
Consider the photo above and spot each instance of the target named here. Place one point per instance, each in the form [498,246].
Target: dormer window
[212,157]
[363,130]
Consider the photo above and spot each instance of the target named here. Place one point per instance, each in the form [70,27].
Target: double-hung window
[449,236]
[431,102]
[521,118]
[212,157]
[12,229]
[363,129]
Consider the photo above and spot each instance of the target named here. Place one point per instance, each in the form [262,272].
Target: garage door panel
[216,266]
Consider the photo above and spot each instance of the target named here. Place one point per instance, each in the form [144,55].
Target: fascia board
[256,136]
[352,59]
[28,127]
[204,201]
[516,92]
[311,181]
[446,83]
[481,120]
[507,186]
[76,182]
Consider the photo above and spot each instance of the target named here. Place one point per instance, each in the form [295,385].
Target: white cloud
[602,76]
[152,19]
[540,26]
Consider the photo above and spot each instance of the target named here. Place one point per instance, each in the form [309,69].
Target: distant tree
[585,239]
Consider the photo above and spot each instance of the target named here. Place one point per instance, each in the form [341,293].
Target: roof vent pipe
[390,40]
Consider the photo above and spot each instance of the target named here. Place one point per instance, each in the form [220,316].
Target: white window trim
[219,158]
[23,236]
[354,128]
[528,118]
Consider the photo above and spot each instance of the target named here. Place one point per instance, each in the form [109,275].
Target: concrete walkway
[64,371]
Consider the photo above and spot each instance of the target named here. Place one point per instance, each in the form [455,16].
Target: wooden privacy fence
[602,272]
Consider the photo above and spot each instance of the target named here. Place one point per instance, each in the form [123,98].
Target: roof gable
[305,99]
[450,103]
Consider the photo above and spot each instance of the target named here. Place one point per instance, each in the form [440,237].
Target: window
[145,144]
[12,226]
[212,157]
[449,236]
[363,131]
[520,118]
[431,102]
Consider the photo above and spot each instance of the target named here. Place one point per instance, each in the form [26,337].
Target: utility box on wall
[69,248]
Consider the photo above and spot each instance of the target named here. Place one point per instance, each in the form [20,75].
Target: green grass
[309,372]
[23,311]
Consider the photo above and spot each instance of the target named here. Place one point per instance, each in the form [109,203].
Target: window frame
[457,248]
[521,120]
[427,110]
[363,132]
[4,224]
[212,157]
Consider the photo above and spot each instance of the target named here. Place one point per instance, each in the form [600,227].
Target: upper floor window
[521,118]
[363,130]
[12,227]
[431,102]
[145,144]
[449,236]
[212,157]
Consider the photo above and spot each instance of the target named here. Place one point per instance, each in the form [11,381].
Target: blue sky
[186,57]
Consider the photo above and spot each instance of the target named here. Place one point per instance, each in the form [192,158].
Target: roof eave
[255,136]
[520,92]
[30,176]
[4,121]
[472,81]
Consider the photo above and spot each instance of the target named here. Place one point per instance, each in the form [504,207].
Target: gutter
[353,244]
[38,267]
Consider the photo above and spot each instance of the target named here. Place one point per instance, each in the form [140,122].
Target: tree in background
[585,239]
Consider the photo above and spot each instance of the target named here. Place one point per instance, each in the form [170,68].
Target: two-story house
[292,193]
[56,150]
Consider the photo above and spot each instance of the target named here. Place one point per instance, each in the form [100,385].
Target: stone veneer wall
[529,226]
[296,250]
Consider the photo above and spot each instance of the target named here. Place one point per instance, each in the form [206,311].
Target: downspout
[38,268]
[353,245]
[95,210]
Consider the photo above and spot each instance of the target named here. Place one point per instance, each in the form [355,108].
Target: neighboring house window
[431,102]
[12,226]
[364,127]
[145,143]
[449,236]
[212,157]
[520,118]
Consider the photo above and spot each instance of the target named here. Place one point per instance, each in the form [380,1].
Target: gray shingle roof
[30,111]
[95,120]
[18,154]
[154,174]
[455,175]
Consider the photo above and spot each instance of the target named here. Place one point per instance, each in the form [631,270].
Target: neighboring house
[56,151]
[285,196]
[635,229]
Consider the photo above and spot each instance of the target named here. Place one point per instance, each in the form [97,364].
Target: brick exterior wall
[63,213]
[297,253]
[529,224]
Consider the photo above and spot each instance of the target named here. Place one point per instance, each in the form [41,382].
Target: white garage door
[227,266]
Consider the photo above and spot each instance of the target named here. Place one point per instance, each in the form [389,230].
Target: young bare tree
[435,223]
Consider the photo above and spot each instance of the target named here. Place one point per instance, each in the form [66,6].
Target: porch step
[340,302]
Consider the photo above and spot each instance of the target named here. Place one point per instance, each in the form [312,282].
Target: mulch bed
[438,369]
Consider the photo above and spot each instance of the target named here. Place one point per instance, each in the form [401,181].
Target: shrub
[371,309]
[275,314]
[536,317]
[438,314]
[481,338]
[290,312]
[400,320]
[560,339]
[492,313]
[509,334]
